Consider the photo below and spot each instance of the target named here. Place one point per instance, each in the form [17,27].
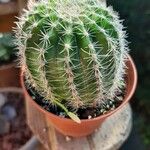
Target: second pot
[9,76]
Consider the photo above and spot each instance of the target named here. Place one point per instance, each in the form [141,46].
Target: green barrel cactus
[73,51]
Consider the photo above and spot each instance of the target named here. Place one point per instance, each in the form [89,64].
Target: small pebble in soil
[4,125]
[2,100]
[107,106]
[62,114]
[102,110]
[113,107]
[105,112]
[9,112]
[110,102]
[33,97]
[89,117]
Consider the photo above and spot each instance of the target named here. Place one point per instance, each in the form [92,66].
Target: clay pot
[9,76]
[87,126]
[7,22]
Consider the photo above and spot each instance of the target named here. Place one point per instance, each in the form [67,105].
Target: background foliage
[7,47]
[137,20]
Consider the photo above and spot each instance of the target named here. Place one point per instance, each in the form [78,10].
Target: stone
[4,125]
[9,112]
[4,1]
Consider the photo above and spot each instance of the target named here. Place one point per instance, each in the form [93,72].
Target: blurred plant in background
[7,47]
[137,19]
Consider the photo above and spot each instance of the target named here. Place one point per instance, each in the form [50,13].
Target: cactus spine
[73,51]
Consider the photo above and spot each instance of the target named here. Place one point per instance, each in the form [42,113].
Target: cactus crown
[72,51]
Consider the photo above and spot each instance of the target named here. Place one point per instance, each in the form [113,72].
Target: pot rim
[131,92]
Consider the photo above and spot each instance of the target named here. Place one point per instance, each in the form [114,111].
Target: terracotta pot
[7,22]
[86,127]
[9,76]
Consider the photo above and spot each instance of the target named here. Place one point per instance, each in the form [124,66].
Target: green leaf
[3,52]
[74,117]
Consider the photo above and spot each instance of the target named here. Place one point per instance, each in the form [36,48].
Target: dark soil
[82,113]
[19,132]
[11,60]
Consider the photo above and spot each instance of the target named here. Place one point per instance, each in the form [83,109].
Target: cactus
[73,51]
